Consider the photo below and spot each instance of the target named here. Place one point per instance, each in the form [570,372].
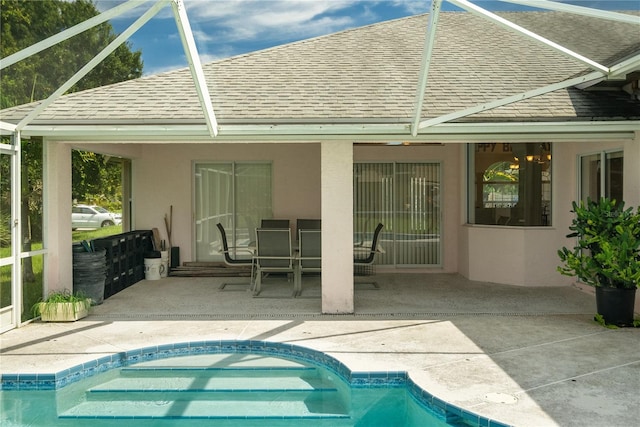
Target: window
[510,184]
[237,195]
[597,181]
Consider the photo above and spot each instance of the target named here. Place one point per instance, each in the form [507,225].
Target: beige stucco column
[337,226]
[57,200]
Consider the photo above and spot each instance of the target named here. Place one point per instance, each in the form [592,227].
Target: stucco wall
[163,176]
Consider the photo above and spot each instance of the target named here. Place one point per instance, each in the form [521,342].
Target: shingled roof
[370,74]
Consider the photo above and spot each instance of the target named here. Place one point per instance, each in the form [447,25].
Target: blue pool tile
[483,422]
[493,423]
[356,379]
[28,377]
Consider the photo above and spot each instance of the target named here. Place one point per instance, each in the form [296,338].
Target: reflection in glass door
[405,197]
[237,195]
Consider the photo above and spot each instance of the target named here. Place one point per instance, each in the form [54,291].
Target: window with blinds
[405,197]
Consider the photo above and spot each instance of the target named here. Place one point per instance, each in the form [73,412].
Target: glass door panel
[590,177]
[417,225]
[237,195]
[213,204]
[614,177]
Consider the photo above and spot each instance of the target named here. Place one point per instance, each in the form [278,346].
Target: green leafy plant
[607,252]
[598,318]
[65,302]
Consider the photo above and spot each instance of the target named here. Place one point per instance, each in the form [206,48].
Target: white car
[84,216]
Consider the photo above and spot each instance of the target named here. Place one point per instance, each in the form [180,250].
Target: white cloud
[224,28]
[274,19]
[413,6]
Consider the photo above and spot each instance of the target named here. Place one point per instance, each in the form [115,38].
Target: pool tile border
[382,379]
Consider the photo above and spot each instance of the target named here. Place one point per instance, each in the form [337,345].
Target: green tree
[24,23]
[96,179]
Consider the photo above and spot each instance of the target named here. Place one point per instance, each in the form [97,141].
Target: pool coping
[382,379]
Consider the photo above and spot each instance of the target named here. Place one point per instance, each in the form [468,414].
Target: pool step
[243,372]
[229,387]
[223,383]
[297,407]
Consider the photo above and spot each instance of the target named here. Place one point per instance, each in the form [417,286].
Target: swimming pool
[235,383]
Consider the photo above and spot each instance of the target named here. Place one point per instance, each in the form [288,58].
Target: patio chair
[309,256]
[274,255]
[234,262]
[364,256]
[274,223]
[307,224]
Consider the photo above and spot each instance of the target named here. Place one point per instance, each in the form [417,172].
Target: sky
[225,28]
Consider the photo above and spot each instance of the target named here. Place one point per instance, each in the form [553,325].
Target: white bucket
[153,268]
[164,256]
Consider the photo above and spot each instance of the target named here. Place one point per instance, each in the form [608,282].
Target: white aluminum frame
[601,72]
[369,129]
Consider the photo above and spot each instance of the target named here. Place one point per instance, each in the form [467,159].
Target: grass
[32,286]
[80,235]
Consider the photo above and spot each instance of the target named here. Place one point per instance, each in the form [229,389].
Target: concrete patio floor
[519,355]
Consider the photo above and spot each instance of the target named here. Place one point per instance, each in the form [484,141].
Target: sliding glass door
[237,195]
[601,175]
[405,197]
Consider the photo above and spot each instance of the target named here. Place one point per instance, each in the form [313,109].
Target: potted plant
[62,306]
[606,255]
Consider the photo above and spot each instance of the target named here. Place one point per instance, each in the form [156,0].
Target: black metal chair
[234,262]
[364,256]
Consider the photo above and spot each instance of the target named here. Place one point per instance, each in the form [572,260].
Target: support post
[337,227]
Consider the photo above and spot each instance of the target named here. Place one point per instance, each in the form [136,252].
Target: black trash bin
[89,273]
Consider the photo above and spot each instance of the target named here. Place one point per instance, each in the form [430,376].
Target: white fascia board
[93,63]
[578,10]
[505,23]
[446,132]
[68,33]
[510,99]
[425,64]
[540,127]
[191,51]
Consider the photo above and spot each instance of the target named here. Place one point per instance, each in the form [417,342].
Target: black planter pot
[616,305]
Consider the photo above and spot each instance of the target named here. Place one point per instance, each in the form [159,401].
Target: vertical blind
[405,197]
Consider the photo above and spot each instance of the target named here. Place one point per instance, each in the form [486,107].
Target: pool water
[225,389]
